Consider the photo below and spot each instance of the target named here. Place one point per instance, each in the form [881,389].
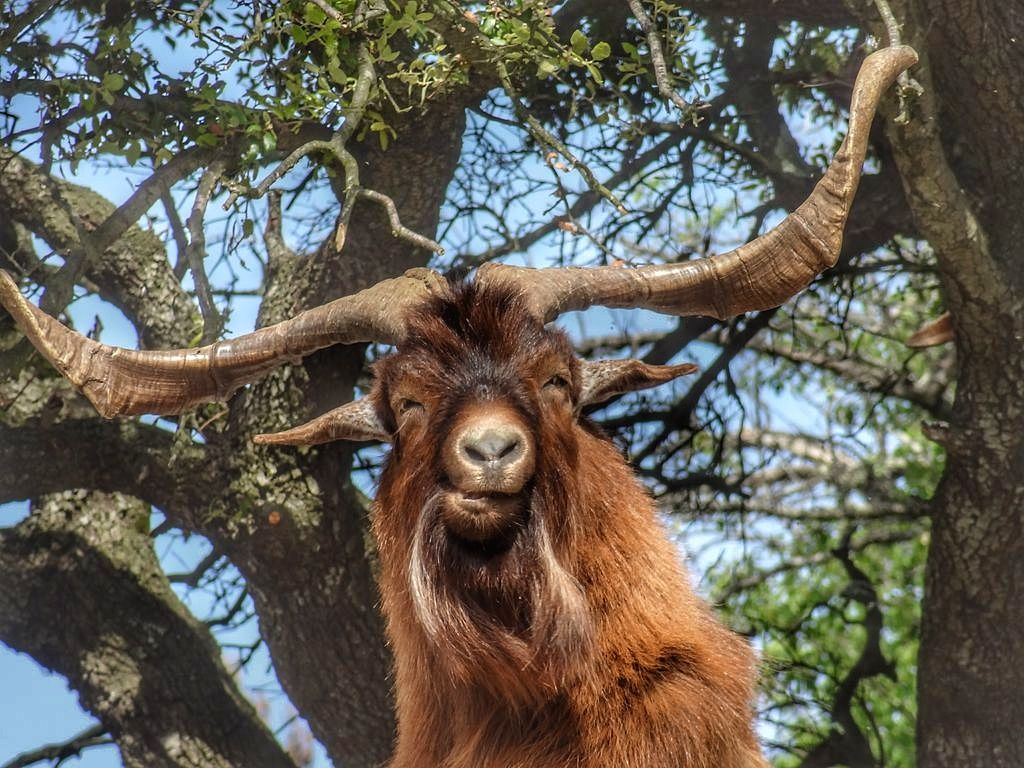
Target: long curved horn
[762,274]
[125,382]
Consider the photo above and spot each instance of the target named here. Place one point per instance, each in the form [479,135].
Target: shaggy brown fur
[575,639]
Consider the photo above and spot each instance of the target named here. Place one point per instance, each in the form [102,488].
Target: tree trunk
[961,156]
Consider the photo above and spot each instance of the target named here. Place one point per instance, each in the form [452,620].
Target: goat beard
[516,625]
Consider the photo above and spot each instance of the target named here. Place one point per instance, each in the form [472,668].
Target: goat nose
[490,453]
[492,445]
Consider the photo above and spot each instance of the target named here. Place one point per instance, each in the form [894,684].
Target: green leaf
[113,82]
[578,41]
[547,67]
[132,153]
[601,51]
[336,73]
[314,14]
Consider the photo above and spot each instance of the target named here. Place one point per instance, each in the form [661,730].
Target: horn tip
[684,369]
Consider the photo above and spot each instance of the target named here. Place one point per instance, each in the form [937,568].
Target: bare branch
[177,233]
[213,322]
[35,11]
[193,577]
[585,202]
[133,273]
[125,456]
[277,249]
[929,393]
[147,193]
[396,225]
[93,736]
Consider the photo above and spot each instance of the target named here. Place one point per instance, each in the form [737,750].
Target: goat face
[483,499]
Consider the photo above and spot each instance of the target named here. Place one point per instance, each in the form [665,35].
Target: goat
[538,615]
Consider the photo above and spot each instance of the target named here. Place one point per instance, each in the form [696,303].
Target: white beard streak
[562,628]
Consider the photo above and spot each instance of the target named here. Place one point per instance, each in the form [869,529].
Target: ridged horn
[125,382]
[356,420]
[762,274]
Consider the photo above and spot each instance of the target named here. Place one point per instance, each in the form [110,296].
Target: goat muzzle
[489,451]
[489,457]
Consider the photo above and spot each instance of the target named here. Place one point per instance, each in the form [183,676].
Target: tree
[359,136]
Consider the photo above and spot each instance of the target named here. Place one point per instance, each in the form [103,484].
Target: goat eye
[405,405]
[557,381]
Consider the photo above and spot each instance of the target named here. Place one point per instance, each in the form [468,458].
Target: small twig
[397,229]
[334,13]
[148,192]
[908,86]
[197,15]
[225,619]
[273,238]
[177,233]
[94,736]
[547,139]
[567,222]
[213,322]
[661,73]
[193,577]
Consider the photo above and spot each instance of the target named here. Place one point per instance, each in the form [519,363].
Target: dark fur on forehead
[493,319]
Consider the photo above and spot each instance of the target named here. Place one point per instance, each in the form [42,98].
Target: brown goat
[539,616]
[564,632]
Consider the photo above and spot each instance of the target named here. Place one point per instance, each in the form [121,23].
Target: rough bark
[972,643]
[125,457]
[82,591]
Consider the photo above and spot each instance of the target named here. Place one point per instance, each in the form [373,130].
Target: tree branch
[94,736]
[213,322]
[140,663]
[547,139]
[147,193]
[133,273]
[751,580]
[846,743]
[661,72]
[123,456]
[36,10]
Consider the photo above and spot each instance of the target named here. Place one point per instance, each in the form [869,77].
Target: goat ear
[938,331]
[606,378]
[357,420]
